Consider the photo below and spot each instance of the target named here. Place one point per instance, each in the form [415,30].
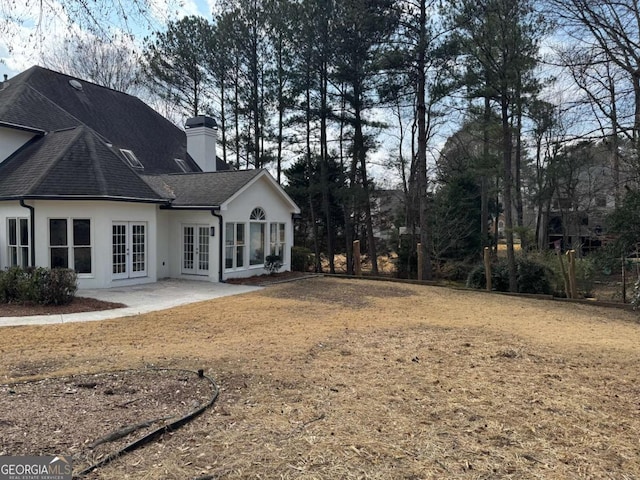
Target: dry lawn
[339,379]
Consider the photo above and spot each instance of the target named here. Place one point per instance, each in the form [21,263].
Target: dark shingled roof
[44,99]
[71,163]
[200,189]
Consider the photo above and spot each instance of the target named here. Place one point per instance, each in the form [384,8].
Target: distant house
[95,180]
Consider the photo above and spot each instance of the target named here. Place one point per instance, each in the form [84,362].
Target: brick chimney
[201,141]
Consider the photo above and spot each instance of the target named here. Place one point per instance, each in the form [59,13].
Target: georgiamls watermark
[36,468]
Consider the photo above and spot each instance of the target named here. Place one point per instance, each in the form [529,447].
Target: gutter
[220,246]
[105,198]
[32,222]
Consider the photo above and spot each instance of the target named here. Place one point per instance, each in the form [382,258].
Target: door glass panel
[203,248]
[138,261]
[187,260]
[119,249]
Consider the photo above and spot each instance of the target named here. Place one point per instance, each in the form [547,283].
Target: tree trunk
[348,223]
[360,155]
[422,181]
[518,169]
[316,245]
[507,193]
[484,188]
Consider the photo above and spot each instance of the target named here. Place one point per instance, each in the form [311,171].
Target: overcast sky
[23,44]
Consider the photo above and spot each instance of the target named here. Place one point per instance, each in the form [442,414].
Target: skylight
[131,159]
[182,164]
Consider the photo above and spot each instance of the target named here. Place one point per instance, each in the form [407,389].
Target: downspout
[32,222]
[220,246]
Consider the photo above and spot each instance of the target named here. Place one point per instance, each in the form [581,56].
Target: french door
[129,254]
[195,249]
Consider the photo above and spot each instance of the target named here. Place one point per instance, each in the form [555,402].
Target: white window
[18,242]
[277,240]
[257,236]
[70,244]
[131,159]
[234,245]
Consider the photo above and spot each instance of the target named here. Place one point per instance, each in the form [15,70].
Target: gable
[11,139]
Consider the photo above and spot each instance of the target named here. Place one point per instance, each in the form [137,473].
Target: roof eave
[23,128]
[109,198]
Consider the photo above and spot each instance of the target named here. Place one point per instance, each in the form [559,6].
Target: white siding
[11,140]
[170,241]
[264,195]
[102,215]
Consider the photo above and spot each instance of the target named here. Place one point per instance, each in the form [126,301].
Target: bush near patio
[42,286]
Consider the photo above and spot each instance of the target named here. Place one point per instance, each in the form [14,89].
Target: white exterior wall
[102,216]
[164,233]
[171,243]
[11,140]
[260,194]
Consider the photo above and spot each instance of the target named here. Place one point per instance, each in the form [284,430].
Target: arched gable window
[258,214]
[257,236]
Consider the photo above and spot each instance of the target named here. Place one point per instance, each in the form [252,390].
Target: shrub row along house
[95,180]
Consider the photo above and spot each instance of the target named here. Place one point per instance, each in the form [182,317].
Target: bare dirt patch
[403,381]
[92,416]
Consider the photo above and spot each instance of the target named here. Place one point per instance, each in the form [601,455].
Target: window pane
[59,258]
[282,232]
[58,232]
[13,256]
[240,234]
[13,236]
[24,256]
[81,232]
[228,234]
[239,257]
[24,232]
[256,233]
[82,259]
[228,257]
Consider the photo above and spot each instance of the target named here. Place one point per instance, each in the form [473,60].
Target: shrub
[586,268]
[272,264]
[532,276]
[39,285]
[301,259]
[456,271]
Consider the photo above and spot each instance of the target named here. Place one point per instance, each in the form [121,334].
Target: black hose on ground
[159,431]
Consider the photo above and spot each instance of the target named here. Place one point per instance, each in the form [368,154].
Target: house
[95,180]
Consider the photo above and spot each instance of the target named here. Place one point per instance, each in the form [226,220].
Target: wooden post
[565,277]
[420,260]
[487,267]
[624,281]
[357,264]
[571,254]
